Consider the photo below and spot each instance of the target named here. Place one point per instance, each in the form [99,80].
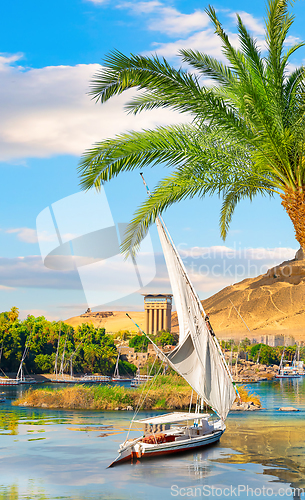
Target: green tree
[139,343]
[91,349]
[246,136]
[44,363]
[244,344]
[13,314]
[126,368]
[267,354]
[165,338]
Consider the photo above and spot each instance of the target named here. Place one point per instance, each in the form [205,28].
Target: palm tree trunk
[294,204]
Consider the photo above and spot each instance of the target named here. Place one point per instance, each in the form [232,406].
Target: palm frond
[215,173]
[246,133]
[208,66]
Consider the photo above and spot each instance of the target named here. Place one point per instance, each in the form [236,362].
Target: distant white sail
[196,358]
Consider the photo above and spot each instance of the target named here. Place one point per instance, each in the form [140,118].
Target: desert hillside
[270,303]
[112,321]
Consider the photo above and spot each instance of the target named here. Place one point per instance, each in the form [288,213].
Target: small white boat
[288,371]
[2,397]
[163,436]
[86,379]
[199,360]
[140,379]
[28,380]
[6,380]
[9,381]
[121,379]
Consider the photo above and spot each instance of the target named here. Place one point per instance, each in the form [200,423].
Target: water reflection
[66,453]
[276,444]
[14,493]
[8,424]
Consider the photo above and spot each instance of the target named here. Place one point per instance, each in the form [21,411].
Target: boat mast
[56,357]
[116,369]
[20,373]
[293,364]
[61,370]
[281,363]
[1,357]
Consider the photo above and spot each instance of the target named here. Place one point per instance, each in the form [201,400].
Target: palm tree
[13,314]
[246,131]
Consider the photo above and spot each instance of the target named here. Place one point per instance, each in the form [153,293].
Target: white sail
[197,358]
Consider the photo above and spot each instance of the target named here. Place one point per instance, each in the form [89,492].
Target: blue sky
[48,54]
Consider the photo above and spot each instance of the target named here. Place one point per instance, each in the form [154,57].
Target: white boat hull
[119,379]
[138,450]
[9,381]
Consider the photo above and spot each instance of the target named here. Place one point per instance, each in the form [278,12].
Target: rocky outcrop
[288,408]
[245,406]
[270,303]
[247,371]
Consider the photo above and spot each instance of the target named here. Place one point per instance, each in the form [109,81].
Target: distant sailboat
[20,377]
[287,371]
[6,380]
[199,360]
[116,375]
[57,352]
[20,374]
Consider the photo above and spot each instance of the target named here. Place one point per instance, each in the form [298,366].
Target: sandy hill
[270,303]
[112,321]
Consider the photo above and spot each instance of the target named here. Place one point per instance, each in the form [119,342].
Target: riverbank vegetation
[261,353]
[90,349]
[166,393]
[162,338]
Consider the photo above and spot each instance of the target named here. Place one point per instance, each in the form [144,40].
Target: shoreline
[168,394]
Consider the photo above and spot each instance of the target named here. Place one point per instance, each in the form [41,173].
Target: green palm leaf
[246,132]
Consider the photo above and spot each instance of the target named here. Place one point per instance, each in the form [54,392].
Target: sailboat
[6,380]
[287,371]
[20,377]
[116,375]
[199,360]
[20,374]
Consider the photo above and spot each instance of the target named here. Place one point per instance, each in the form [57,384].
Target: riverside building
[158,312]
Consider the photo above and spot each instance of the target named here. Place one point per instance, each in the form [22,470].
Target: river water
[56,454]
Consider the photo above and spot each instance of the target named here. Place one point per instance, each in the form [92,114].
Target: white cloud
[173,22]
[97,2]
[213,268]
[166,19]
[222,251]
[24,234]
[7,61]
[47,111]
[140,7]
[253,24]
[29,272]
[23,313]
[7,288]
[292,40]
[205,41]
